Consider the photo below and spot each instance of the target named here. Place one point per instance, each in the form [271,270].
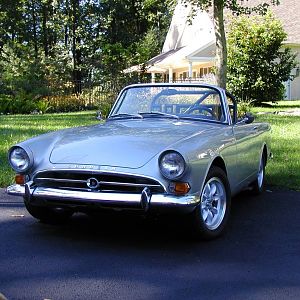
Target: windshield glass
[196,102]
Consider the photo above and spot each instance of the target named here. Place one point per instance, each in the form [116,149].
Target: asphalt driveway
[132,258]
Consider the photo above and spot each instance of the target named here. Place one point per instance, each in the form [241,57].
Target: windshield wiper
[199,119]
[159,114]
[126,116]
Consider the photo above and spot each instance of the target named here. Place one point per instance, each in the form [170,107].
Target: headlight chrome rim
[20,159]
[169,161]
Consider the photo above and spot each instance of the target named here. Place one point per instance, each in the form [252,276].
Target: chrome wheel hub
[213,203]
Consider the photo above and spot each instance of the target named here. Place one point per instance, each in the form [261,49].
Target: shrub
[257,64]
[244,106]
[16,105]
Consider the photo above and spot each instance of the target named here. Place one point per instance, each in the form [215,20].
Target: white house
[189,49]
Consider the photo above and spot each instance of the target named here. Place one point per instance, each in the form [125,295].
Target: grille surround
[108,182]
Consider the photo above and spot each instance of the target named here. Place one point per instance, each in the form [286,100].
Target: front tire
[48,215]
[258,185]
[210,217]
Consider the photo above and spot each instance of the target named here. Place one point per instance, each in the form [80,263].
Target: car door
[247,146]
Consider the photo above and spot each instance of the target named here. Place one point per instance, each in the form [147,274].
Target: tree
[22,74]
[218,7]
[76,41]
[257,63]
[128,27]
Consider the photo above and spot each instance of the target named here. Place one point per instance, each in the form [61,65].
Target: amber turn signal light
[179,188]
[20,179]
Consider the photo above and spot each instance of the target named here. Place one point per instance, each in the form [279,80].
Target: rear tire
[48,215]
[210,217]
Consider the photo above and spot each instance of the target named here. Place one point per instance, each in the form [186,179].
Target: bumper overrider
[71,198]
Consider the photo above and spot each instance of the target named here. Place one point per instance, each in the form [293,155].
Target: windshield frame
[218,91]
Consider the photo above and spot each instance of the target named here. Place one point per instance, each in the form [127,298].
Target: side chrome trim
[138,201]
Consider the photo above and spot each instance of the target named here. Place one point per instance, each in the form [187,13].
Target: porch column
[170,75]
[190,69]
[152,77]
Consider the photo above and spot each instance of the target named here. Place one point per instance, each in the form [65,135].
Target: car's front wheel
[210,217]
[259,184]
[48,215]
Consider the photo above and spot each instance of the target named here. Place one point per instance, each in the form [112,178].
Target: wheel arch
[219,162]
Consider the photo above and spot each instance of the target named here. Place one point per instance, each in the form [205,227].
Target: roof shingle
[288,12]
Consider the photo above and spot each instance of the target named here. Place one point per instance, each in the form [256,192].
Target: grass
[284,105]
[282,171]
[16,128]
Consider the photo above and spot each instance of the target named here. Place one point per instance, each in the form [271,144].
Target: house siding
[295,84]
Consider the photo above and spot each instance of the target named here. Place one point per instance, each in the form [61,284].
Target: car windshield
[180,102]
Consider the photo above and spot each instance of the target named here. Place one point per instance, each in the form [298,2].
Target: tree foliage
[218,7]
[51,42]
[257,63]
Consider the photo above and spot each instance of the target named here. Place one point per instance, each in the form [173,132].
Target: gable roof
[179,57]
[186,37]
[185,31]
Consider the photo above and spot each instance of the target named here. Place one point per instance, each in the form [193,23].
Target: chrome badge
[92,183]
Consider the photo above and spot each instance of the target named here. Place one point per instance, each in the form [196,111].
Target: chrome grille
[76,180]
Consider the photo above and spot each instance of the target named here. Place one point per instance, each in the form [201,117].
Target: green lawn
[14,129]
[279,106]
[283,170]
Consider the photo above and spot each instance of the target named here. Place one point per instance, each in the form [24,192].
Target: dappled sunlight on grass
[284,169]
[278,106]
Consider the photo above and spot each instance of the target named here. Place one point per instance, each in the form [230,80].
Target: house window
[201,72]
[204,71]
[194,74]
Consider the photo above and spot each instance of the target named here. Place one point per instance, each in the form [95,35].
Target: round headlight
[172,164]
[19,159]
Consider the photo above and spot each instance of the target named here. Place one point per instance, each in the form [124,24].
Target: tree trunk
[45,29]
[76,51]
[221,47]
[67,23]
[34,25]
[51,31]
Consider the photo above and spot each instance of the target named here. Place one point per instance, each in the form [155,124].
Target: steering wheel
[211,113]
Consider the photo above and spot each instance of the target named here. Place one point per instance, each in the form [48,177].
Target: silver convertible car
[163,148]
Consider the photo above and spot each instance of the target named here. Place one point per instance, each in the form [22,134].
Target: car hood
[129,144]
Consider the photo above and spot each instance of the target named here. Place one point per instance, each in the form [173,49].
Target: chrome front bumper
[142,201]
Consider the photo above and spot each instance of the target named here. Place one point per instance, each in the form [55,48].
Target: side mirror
[248,118]
[99,116]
